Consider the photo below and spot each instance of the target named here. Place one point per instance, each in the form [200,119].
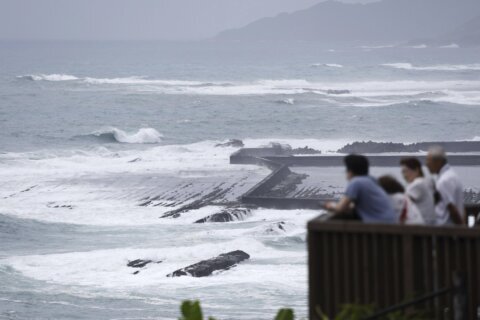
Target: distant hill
[385,21]
[468,34]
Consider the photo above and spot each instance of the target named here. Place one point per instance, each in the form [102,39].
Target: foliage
[285,314]
[191,310]
[349,312]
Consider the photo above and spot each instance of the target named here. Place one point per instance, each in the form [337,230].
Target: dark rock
[135,160]
[218,194]
[226,215]
[139,263]
[236,143]
[137,272]
[381,147]
[276,228]
[58,206]
[471,196]
[306,150]
[207,267]
[279,148]
[28,189]
[377,147]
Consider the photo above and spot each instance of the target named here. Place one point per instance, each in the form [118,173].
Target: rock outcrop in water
[287,150]
[305,150]
[236,143]
[139,264]
[276,228]
[226,215]
[383,147]
[207,267]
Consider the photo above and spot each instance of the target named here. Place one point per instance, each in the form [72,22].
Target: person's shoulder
[361,180]
[419,183]
[449,176]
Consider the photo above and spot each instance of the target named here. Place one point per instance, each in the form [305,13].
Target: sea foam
[328,65]
[439,67]
[353,93]
[48,77]
[143,135]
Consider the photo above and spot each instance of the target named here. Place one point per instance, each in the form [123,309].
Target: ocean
[90,130]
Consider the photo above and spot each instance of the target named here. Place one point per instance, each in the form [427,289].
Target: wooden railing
[386,265]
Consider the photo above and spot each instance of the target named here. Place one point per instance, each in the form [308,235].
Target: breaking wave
[378,47]
[450,46]
[114,135]
[48,77]
[345,93]
[440,67]
[289,101]
[328,65]
[419,46]
[142,80]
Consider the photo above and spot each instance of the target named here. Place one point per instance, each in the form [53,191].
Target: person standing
[418,190]
[450,208]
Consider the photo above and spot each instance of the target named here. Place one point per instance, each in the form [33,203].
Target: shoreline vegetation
[192,310]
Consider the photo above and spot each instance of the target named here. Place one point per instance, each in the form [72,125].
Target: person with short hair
[450,208]
[419,190]
[363,195]
[406,211]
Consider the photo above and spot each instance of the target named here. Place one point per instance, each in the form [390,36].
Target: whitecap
[377,47]
[439,67]
[139,80]
[328,65]
[289,101]
[420,46]
[143,135]
[48,77]
[450,46]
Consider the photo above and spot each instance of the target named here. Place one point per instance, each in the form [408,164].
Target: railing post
[408,280]
[459,297]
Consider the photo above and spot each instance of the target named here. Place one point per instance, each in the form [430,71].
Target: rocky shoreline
[384,147]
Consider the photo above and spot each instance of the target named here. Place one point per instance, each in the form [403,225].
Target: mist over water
[90,130]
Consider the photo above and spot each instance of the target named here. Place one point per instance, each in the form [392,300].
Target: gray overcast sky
[134,19]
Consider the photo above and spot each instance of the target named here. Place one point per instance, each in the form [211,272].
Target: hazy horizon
[168,20]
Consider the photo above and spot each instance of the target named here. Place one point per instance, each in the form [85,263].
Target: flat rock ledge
[207,267]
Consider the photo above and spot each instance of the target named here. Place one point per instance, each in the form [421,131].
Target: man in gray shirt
[363,195]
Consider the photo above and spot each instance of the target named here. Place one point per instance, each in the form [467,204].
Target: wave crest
[48,77]
[112,135]
[440,67]
[328,65]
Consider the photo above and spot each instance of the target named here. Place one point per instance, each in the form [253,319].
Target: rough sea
[90,130]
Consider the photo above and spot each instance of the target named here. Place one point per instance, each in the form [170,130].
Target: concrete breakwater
[284,188]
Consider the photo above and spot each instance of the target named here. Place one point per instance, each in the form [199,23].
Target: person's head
[411,169]
[390,185]
[436,159]
[356,165]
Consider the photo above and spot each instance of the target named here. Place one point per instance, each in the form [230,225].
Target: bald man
[449,208]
